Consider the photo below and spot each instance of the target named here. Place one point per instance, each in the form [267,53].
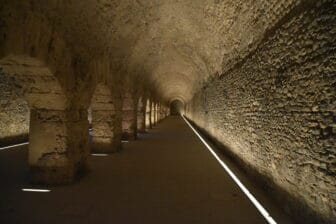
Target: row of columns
[138,116]
[109,127]
[59,137]
[155,113]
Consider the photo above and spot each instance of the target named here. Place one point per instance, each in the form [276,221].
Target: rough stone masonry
[276,112]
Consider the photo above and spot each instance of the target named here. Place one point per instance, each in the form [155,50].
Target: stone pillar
[117,127]
[158,112]
[165,111]
[161,112]
[78,136]
[141,113]
[129,117]
[102,131]
[103,121]
[153,114]
[58,146]
[58,133]
[148,114]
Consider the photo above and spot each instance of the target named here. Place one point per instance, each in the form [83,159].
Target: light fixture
[35,190]
[99,154]
[255,202]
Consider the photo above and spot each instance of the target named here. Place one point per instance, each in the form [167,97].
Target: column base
[129,136]
[102,147]
[142,131]
[56,175]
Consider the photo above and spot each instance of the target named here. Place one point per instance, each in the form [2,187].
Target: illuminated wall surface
[276,112]
[14,112]
[256,76]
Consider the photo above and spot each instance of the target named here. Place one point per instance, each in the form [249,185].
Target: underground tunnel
[176,107]
[168,111]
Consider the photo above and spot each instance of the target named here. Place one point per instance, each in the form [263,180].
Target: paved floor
[167,176]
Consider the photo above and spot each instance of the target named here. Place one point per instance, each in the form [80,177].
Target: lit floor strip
[35,190]
[12,146]
[124,141]
[260,208]
[99,154]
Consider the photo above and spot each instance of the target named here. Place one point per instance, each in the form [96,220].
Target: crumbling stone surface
[148,114]
[141,115]
[57,148]
[14,112]
[103,120]
[153,113]
[129,116]
[276,112]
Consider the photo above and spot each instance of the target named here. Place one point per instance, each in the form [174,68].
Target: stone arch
[103,121]
[36,80]
[51,157]
[180,98]
[29,34]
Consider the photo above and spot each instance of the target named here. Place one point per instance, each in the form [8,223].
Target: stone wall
[276,112]
[14,112]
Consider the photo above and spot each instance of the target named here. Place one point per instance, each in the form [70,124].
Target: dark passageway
[177,108]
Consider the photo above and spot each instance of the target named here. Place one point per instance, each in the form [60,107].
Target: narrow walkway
[167,176]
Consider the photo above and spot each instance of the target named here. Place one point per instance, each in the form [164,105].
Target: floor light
[35,190]
[99,154]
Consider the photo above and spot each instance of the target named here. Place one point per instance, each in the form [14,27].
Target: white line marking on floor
[255,202]
[12,146]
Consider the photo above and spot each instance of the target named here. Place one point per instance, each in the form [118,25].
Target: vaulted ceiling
[176,44]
